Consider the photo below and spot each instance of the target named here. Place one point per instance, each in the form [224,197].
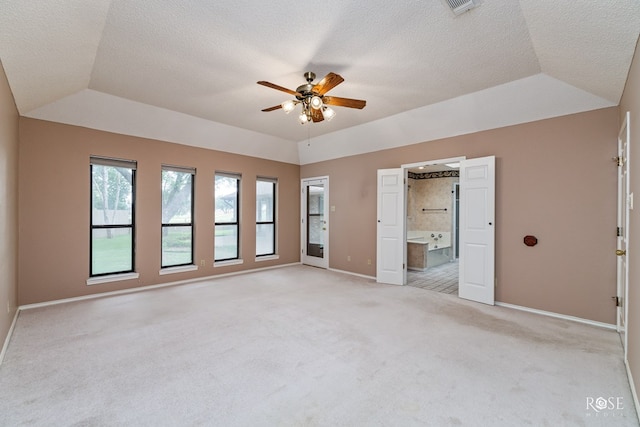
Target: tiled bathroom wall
[431,193]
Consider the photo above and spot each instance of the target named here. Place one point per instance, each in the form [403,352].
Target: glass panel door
[315,234]
[315,220]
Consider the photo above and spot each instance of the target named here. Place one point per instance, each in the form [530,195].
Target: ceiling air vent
[461,6]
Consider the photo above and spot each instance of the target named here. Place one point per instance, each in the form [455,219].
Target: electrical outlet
[202,262]
[368,262]
[348,258]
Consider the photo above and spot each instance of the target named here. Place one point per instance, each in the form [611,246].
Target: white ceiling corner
[590,43]
[185,71]
[48,47]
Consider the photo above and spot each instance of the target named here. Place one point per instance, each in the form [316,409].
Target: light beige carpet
[300,346]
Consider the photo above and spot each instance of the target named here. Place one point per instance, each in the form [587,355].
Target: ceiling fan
[315,102]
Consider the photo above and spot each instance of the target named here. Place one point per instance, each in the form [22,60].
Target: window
[177,216]
[265,217]
[112,237]
[227,233]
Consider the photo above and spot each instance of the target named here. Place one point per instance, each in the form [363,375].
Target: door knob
[620,252]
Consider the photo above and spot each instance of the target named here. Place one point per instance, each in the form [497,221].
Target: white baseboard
[352,273]
[634,393]
[5,346]
[557,315]
[149,287]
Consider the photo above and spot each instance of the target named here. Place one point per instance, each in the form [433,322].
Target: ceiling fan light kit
[316,102]
[315,105]
[459,7]
[288,106]
[328,113]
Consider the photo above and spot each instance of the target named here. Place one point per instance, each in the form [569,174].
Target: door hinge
[403,266]
[619,232]
[618,301]
[619,160]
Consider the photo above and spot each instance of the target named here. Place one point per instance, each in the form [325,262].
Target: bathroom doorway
[432,226]
[476,280]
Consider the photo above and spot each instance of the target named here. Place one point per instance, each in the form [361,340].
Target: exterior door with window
[315,222]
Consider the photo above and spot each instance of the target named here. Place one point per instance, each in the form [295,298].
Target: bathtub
[427,249]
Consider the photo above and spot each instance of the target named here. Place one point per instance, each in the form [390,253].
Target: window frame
[236,223]
[274,182]
[163,225]
[116,163]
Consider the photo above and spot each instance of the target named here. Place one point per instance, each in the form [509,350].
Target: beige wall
[54,207]
[631,102]
[8,206]
[554,179]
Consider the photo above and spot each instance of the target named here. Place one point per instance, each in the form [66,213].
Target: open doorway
[432,224]
[476,270]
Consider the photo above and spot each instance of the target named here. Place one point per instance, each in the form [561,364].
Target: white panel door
[624,204]
[477,230]
[390,253]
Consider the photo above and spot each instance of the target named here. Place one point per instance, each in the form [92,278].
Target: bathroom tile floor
[442,278]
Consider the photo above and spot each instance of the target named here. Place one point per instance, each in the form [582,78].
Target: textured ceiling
[202,58]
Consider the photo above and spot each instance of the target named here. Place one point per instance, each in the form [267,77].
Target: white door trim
[433,162]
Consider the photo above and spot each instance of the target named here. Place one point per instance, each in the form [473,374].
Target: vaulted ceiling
[152,68]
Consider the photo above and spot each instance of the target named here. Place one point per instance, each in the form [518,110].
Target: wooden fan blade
[316,115]
[344,102]
[276,87]
[329,81]
[275,107]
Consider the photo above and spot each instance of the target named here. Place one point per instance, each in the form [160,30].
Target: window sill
[112,278]
[226,263]
[267,258]
[180,269]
